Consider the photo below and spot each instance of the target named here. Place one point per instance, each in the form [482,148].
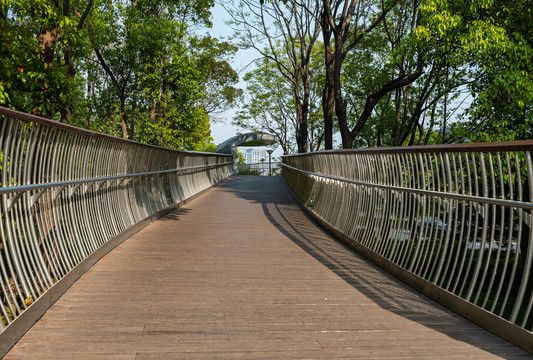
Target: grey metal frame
[65,192]
[458,217]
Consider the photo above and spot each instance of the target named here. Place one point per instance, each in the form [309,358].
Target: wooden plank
[242,273]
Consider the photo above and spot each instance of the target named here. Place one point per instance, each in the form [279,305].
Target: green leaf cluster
[135,69]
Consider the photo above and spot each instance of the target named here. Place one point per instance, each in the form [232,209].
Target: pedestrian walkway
[242,273]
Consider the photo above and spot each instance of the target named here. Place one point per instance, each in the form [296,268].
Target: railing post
[269,151]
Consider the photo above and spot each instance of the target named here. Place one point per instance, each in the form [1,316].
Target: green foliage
[271,104]
[137,70]
[494,39]
[34,40]
[242,159]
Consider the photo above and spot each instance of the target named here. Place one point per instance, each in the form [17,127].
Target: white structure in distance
[254,155]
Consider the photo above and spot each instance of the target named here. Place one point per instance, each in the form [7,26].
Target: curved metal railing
[457,216]
[66,192]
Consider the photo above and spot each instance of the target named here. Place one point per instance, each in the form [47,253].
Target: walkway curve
[242,273]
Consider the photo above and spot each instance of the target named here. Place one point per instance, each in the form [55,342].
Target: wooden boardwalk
[242,273]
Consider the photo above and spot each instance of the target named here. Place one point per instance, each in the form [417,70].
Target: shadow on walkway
[387,292]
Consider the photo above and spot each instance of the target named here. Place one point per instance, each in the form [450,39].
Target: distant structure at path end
[250,139]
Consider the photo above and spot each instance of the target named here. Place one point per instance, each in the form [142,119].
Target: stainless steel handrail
[65,192]
[456,216]
[513,203]
[22,188]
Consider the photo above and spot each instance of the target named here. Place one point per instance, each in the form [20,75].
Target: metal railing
[261,169]
[66,192]
[459,217]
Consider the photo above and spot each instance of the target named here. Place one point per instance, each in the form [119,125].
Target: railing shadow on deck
[383,289]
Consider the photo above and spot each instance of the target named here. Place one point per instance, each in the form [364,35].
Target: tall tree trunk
[328,99]
[71,70]
[90,88]
[46,39]
[123,118]
[301,126]
[340,103]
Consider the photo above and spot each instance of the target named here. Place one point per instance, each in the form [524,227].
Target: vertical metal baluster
[529,254]
[446,228]
[370,203]
[428,225]
[91,193]
[410,209]
[351,209]
[346,195]
[58,169]
[120,207]
[491,239]
[94,191]
[387,200]
[111,190]
[401,200]
[500,238]
[469,222]
[485,215]
[70,208]
[7,269]
[32,270]
[124,193]
[394,219]
[105,199]
[360,200]
[108,192]
[460,189]
[87,221]
[509,238]
[132,188]
[44,204]
[377,203]
[399,239]
[419,240]
[474,179]
[17,269]
[382,200]
[452,224]
[343,195]
[44,277]
[409,213]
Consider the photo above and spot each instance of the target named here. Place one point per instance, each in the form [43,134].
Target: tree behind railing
[67,192]
[453,221]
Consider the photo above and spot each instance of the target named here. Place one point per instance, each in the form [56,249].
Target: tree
[38,42]
[494,38]
[290,32]
[159,80]
[218,79]
[271,107]
[348,22]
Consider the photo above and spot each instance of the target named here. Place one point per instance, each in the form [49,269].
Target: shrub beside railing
[457,217]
